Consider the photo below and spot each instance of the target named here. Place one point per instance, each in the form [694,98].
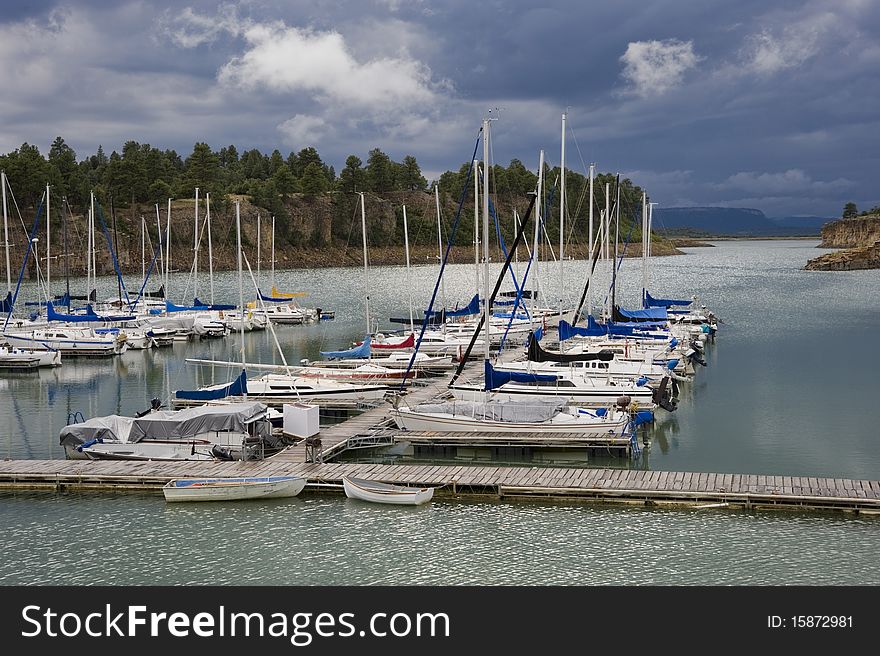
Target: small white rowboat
[232,489]
[358,488]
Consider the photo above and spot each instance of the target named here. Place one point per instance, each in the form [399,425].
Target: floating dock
[374,427]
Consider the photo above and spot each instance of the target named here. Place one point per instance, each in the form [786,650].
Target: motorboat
[229,431]
[233,489]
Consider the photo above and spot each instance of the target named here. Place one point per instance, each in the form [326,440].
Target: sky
[739,103]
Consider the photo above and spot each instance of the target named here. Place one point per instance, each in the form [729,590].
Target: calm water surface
[789,389]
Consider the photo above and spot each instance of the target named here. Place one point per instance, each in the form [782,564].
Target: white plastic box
[300,419]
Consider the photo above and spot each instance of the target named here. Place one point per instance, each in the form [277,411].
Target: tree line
[851,210]
[143,174]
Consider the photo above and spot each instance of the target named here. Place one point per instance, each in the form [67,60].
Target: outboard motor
[663,398]
[155,405]
[694,356]
[220,453]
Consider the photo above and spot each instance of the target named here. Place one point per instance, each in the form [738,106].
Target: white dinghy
[376,492]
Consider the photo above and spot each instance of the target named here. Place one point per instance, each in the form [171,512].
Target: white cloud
[654,67]
[769,52]
[289,59]
[189,29]
[303,129]
[787,182]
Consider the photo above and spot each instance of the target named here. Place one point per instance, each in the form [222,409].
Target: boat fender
[623,401]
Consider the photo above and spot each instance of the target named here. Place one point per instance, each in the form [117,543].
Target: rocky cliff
[851,233]
[860,239]
[316,231]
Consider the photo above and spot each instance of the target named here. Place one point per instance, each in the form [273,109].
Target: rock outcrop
[860,239]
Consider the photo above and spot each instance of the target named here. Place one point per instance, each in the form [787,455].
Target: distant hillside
[731,222]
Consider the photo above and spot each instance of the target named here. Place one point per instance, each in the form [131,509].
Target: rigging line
[463,195]
[24,264]
[30,244]
[498,282]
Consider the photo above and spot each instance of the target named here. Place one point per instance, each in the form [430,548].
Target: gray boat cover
[112,428]
[533,411]
[166,424]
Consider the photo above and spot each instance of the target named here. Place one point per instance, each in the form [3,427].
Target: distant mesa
[732,222]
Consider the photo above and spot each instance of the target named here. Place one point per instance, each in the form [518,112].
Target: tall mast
[48,247]
[616,240]
[644,249]
[477,225]
[65,206]
[168,251]
[408,284]
[210,246]
[562,219]
[240,288]
[258,248]
[440,246]
[91,245]
[196,249]
[607,241]
[143,248]
[161,249]
[538,215]
[590,240]
[366,264]
[486,308]
[6,233]
[273,250]
[116,246]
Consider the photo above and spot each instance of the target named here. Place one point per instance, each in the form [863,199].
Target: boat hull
[373,492]
[233,489]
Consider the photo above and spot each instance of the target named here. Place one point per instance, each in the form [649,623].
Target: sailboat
[488,414]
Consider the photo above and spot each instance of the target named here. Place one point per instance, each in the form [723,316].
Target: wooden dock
[649,488]
[607,485]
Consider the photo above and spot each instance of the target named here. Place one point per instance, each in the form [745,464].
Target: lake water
[788,390]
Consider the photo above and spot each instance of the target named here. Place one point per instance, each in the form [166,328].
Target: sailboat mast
[143,248]
[537,237]
[644,249]
[6,233]
[64,207]
[366,264]
[408,283]
[196,249]
[258,248]
[116,246]
[477,226]
[210,246]
[440,245]
[562,220]
[607,240]
[590,239]
[273,251]
[486,308]
[168,251]
[240,288]
[91,245]
[48,247]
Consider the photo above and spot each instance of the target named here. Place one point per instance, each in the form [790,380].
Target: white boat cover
[534,411]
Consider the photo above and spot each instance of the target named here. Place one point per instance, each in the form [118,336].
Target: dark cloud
[704,103]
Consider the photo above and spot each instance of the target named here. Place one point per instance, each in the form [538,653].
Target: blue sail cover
[213,306]
[238,387]
[495,379]
[273,299]
[6,303]
[648,314]
[471,308]
[88,315]
[567,331]
[171,307]
[650,302]
[362,351]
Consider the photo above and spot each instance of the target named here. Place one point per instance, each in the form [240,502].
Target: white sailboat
[487,413]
